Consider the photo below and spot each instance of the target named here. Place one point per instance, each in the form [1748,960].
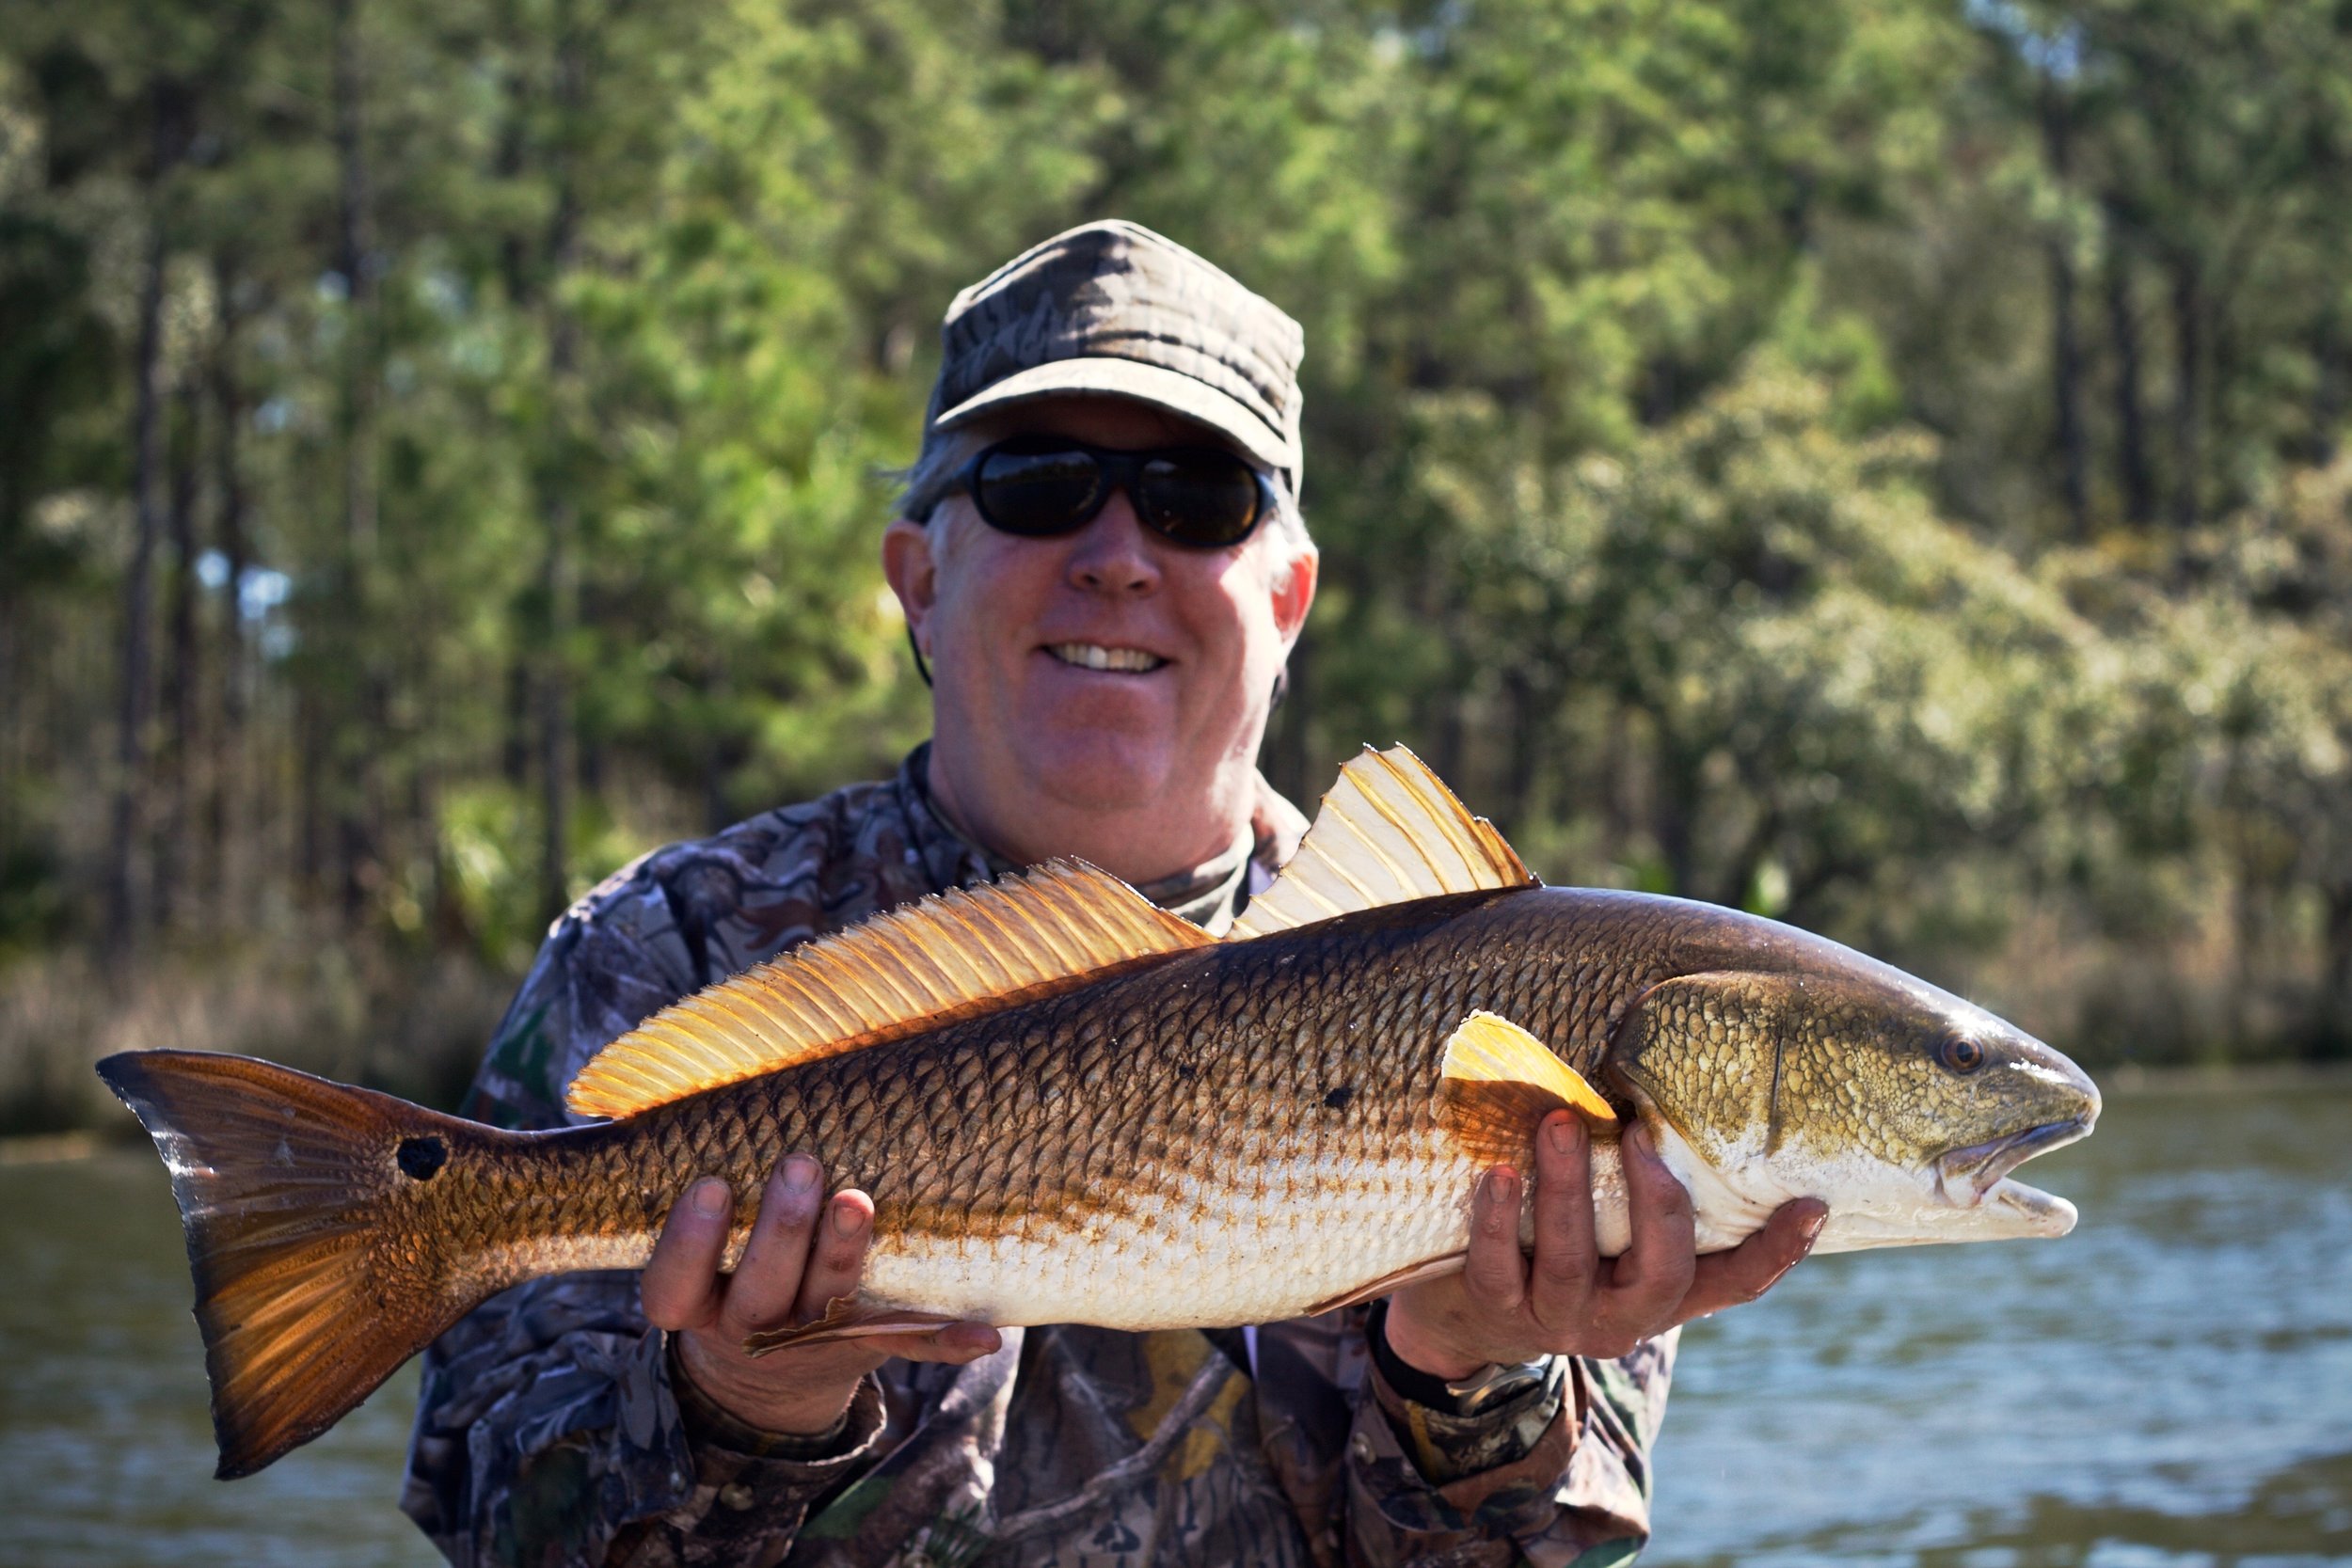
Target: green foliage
[1873,461]
[1761,630]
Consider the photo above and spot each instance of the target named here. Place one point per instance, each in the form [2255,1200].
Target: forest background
[1879,463]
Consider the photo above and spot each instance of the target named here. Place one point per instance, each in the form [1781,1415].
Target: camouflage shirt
[551,1428]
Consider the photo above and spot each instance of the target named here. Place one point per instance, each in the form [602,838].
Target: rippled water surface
[2172,1383]
[2170,1386]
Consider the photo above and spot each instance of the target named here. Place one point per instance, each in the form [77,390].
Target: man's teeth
[1090,655]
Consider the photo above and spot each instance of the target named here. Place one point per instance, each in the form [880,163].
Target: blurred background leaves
[1875,462]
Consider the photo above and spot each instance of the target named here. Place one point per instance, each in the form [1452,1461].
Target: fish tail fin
[305,1205]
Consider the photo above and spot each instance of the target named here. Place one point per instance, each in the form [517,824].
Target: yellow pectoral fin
[1488,1049]
[1499,1081]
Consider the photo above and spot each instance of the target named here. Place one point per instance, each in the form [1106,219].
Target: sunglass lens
[1199,498]
[1036,492]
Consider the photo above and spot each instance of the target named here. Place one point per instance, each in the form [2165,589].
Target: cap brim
[1098,376]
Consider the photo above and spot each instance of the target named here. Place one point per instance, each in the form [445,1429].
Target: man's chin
[1100,769]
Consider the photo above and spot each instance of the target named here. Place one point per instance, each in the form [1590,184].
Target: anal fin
[1387,1284]
[846,1317]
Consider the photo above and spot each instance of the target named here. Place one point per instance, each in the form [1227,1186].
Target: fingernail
[846,1219]
[1641,1141]
[710,1197]
[800,1176]
[1502,1187]
[1812,1227]
[1566,1134]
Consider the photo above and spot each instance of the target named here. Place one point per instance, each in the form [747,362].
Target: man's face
[1012,628]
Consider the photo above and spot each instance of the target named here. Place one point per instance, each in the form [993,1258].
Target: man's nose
[1112,554]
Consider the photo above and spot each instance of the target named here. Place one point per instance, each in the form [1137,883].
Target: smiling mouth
[1093,656]
[1964,1175]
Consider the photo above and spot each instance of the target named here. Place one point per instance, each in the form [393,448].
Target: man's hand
[805,1251]
[1567,1299]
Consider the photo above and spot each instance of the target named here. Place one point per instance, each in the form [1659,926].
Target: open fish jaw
[1968,1175]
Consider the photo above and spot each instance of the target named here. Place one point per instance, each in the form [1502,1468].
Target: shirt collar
[1207,895]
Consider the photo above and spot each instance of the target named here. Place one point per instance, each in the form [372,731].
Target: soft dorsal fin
[948,957]
[1388,832]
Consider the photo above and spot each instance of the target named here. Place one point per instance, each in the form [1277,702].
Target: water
[2171,1385]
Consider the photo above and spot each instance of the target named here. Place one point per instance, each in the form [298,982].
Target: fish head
[1901,1106]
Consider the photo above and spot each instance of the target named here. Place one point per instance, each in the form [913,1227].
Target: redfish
[1069,1106]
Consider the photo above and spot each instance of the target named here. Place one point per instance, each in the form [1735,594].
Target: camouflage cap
[1113,309]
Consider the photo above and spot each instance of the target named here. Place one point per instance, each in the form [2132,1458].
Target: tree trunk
[1529,709]
[131,804]
[514,735]
[183,671]
[2188,393]
[310,763]
[357,775]
[2065,340]
[557,585]
[225,816]
[1674,806]
[2334,1037]
[559,508]
[2331,379]
[2135,478]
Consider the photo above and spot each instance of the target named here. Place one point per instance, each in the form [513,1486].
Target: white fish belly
[1294,1233]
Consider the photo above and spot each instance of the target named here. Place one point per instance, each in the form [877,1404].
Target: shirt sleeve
[1556,1475]
[549,1428]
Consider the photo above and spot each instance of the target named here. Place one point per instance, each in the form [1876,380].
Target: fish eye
[1960,1054]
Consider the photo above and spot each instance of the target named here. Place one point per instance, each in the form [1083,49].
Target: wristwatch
[1496,1382]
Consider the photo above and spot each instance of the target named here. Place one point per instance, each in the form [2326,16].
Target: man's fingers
[1565,1253]
[1747,1271]
[838,1257]
[680,1284]
[1651,1278]
[767,1281]
[1493,1271]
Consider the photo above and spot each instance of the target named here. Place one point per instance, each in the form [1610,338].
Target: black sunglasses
[1040,487]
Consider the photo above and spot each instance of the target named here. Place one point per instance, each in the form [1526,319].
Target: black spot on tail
[423,1158]
[1338,1098]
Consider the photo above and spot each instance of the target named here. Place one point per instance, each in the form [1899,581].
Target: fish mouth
[1964,1175]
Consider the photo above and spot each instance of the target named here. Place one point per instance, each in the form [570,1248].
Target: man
[1101,557]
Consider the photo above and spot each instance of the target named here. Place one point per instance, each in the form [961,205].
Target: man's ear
[912,571]
[1295,596]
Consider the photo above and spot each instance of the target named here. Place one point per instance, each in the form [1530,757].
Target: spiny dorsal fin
[1388,832]
[948,957]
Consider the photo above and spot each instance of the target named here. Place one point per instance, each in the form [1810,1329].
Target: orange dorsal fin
[948,957]
[1388,832]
